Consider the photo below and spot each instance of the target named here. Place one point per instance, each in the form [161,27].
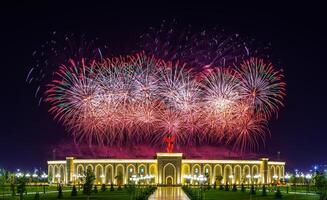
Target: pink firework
[140,99]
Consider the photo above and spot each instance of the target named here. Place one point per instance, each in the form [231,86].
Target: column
[69,170]
[264,170]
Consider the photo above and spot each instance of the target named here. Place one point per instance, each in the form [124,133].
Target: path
[169,193]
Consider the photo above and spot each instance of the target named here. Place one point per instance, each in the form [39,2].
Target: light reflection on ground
[169,193]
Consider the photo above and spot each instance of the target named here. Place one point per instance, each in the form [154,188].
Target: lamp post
[103,178]
[231,177]
[308,178]
[287,177]
[58,178]
[249,178]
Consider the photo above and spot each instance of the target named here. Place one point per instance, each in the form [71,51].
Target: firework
[203,88]
[140,98]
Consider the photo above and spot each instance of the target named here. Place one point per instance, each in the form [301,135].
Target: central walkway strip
[169,193]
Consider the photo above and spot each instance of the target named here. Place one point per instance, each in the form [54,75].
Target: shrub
[264,190]
[112,187]
[234,188]
[74,191]
[252,190]
[103,188]
[60,195]
[95,189]
[278,194]
[243,189]
[221,187]
[226,187]
[37,196]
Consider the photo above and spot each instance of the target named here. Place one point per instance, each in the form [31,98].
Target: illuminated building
[167,169]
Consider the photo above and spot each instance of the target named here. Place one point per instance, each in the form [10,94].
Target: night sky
[296,34]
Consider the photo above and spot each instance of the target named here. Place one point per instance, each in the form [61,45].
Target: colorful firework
[140,98]
[203,88]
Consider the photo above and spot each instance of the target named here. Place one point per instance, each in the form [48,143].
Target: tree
[60,195]
[119,178]
[88,183]
[21,186]
[37,196]
[243,189]
[74,191]
[320,181]
[252,190]
[278,194]
[264,190]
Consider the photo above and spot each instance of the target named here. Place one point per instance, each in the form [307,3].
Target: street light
[102,177]
[231,177]
[19,174]
[248,177]
[58,177]
[256,177]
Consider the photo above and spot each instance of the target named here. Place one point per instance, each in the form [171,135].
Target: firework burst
[202,88]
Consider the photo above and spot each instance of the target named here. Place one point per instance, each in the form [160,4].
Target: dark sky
[295,31]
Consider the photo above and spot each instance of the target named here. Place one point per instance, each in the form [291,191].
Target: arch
[153,169]
[169,170]
[196,169]
[99,174]
[272,172]
[237,174]
[56,170]
[120,169]
[131,169]
[169,180]
[227,173]
[255,172]
[247,173]
[278,172]
[109,172]
[207,169]
[89,167]
[186,169]
[153,172]
[80,170]
[141,169]
[282,171]
[218,171]
[62,173]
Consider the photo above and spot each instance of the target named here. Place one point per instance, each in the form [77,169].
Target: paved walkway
[169,193]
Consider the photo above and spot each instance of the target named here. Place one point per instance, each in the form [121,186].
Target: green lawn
[214,194]
[217,194]
[115,195]
[52,195]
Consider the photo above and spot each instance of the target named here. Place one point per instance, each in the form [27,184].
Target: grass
[123,194]
[214,194]
[217,194]
[115,195]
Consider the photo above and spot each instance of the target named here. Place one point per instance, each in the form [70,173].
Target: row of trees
[89,187]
